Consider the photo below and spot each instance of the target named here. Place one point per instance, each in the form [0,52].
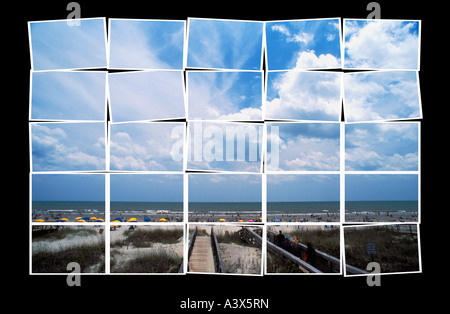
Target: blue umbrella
[147,219]
[276,220]
[119,219]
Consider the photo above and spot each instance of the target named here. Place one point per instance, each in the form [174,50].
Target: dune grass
[89,256]
[159,261]
[395,251]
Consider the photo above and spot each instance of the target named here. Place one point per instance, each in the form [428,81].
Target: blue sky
[224,44]
[384,95]
[381,44]
[303,187]
[225,146]
[146,187]
[68,95]
[68,146]
[146,44]
[68,187]
[381,146]
[147,146]
[146,95]
[303,146]
[225,187]
[305,95]
[57,45]
[225,95]
[303,44]
[382,187]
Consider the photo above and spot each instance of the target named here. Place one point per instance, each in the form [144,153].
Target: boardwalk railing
[218,263]
[323,262]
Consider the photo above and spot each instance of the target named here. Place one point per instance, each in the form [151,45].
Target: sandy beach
[74,216]
[381,217]
[225,217]
[321,217]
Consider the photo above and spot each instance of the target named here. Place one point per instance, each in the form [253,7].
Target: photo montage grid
[224,146]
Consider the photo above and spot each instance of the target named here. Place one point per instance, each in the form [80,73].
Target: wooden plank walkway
[201,259]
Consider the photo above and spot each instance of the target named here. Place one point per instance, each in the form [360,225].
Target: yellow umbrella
[116,221]
[81,220]
[240,220]
[65,219]
[162,219]
[39,220]
[100,219]
[93,218]
[76,218]
[221,219]
[132,219]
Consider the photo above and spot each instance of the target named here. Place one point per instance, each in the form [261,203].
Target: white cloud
[382,45]
[309,60]
[306,96]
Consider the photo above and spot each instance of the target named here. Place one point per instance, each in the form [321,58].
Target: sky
[146,44]
[225,95]
[381,187]
[147,146]
[385,95]
[57,45]
[303,146]
[224,44]
[138,187]
[68,146]
[381,44]
[68,187]
[146,95]
[305,95]
[71,95]
[303,44]
[303,187]
[381,146]
[225,187]
[224,146]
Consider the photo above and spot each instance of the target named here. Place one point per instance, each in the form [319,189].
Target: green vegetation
[89,256]
[395,251]
[327,241]
[141,238]
[150,262]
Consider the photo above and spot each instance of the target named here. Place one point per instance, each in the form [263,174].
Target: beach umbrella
[81,220]
[39,220]
[251,220]
[221,219]
[132,219]
[162,219]
[118,219]
[147,219]
[93,218]
[276,220]
[99,220]
[240,220]
[76,218]
[60,220]
[115,220]
[64,219]
[85,218]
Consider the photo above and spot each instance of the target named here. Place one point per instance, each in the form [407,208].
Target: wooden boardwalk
[201,259]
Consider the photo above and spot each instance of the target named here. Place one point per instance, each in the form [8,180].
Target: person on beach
[286,244]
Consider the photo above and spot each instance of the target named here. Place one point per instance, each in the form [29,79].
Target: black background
[117,293]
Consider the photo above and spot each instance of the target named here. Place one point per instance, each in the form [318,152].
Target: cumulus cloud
[381,44]
[304,96]
[67,147]
[383,146]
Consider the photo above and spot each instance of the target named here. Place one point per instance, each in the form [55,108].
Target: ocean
[275,208]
